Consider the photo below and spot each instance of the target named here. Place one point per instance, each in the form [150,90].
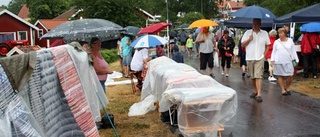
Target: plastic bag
[215,59]
[142,107]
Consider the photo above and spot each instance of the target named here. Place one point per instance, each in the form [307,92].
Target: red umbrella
[154,28]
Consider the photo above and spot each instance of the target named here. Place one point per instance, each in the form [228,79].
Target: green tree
[191,17]
[15,5]
[46,9]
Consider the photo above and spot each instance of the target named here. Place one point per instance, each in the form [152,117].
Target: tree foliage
[15,5]
[191,17]
[46,9]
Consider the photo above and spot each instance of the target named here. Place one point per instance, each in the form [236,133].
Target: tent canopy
[308,14]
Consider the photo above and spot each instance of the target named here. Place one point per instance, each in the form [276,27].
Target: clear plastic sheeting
[143,107]
[203,111]
[149,81]
[202,81]
[158,78]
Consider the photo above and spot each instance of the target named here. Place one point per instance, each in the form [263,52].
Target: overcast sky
[4,2]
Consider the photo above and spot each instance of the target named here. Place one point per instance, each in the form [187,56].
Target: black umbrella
[131,30]
[308,14]
[85,29]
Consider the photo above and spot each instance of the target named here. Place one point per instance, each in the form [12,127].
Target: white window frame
[19,36]
[40,30]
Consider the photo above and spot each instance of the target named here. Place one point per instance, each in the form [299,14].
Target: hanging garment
[73,90]
[19,68]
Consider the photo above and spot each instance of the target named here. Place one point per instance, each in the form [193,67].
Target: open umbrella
[203,23]
[148,41]
[85,29]
[153,28]
[131,30]
[253,12]
[183,26]
[310,27]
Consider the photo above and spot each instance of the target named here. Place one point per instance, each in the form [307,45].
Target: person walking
[226,45]
[119,52]
[182,39]
[257,43]
[272,37]
[281,59]
[207,45]
[189,45]
[100,65]
[243,62]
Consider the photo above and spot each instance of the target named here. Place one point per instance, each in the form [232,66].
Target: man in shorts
[256,41]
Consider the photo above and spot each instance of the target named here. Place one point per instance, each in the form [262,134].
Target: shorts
[206,58]
[256,68]
[127,60]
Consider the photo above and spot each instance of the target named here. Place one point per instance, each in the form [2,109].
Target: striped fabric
[58,118]
[73,91]
[12,109]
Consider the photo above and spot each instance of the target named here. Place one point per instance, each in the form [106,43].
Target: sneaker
[271,78]
[222,73]
[227,75]
[314,76]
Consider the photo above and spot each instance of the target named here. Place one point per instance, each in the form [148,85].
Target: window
[22,35]
[40,33]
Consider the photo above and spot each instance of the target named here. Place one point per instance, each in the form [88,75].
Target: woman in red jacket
[309,41]
[272,37]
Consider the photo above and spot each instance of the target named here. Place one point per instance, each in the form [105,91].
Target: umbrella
[153,28]
[239,22]
[148,41]
[203,23]
[131,30]
[254,12]
[310,27]
[183,26]
[85,29]
[308,14]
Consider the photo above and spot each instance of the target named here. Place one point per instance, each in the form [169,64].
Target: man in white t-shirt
[139,58]
[256,41]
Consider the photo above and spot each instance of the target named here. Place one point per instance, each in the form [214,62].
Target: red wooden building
[44,26]
[16,27]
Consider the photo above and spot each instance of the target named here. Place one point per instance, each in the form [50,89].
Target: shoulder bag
[294,62]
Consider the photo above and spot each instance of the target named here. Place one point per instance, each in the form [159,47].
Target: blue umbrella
[148,41]
[310,27]
[254,12]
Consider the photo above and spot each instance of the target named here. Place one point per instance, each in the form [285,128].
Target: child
[177,56]
[189,45]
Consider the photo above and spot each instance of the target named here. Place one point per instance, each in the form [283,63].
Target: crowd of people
[255,48]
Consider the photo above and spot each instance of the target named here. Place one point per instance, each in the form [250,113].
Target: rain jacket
[272,39]
[305,45]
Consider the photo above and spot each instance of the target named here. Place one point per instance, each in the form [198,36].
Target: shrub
[109,55]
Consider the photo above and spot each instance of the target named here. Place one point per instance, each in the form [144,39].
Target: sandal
[284,94]
[212,75]
[254,94]
[259,98]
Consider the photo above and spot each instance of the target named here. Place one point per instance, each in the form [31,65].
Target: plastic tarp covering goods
[203,110]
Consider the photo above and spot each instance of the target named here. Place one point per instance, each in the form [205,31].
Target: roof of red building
[233,4]
[50,24]
[24,11]
[66,15]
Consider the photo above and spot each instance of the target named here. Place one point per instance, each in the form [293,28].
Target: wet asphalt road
[277,116]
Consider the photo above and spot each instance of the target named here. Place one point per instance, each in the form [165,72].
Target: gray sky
[4,2]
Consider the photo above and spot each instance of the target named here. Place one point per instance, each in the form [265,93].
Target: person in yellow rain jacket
[189,45]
